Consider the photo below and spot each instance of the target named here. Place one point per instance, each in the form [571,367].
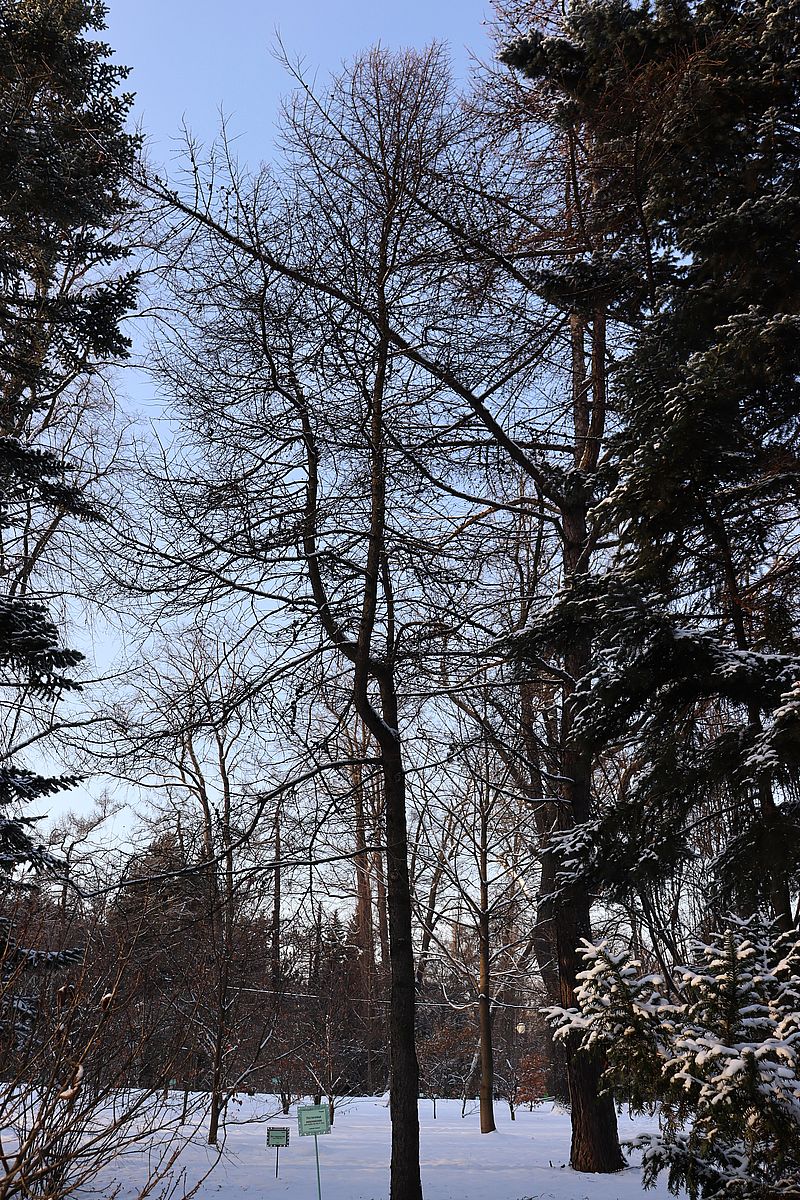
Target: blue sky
[189,57]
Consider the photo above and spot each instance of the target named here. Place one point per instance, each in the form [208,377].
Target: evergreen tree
[691,112]
[64,161]
[719,1064]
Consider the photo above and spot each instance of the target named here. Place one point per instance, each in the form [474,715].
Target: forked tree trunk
[382,722]
[405,1182]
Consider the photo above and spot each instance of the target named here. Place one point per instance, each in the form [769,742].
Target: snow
[524,1160]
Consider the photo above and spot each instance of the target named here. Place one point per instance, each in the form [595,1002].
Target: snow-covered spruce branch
[721,1067]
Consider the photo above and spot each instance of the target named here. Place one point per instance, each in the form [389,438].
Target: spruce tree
[691,112]
[713,1051]
[65,158]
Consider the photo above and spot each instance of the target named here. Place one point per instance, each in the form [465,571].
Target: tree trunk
[275,946]
[380,887]
[595,1141]
[213,1119]
[486,1092]
[406,1183]
[383,725]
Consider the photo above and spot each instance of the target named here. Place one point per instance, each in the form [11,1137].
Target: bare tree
[67,1107]
[480,844]
[195,747]
[374,382]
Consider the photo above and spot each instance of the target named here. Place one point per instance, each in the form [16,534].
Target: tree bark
[486,1092]
[406,1182]
[595,1141]
[275,942]
[384,725]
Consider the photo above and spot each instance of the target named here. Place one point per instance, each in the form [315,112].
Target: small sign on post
[312,1120]
[277,1137]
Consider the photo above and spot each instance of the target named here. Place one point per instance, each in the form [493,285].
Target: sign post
[312,1120]
[277,1136]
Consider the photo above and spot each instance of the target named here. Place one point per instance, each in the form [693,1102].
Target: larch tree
[455,334]
[304,501]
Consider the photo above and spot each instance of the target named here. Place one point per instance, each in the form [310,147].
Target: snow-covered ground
[524,1160]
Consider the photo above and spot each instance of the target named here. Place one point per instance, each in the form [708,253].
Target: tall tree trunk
[406,1183]
[384,725]
[382,722]
[275,941]
[380,897]
[595,1140]
[486,1093]
[216,1099]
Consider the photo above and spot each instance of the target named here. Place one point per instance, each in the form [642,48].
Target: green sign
[277,1136]
[313,1119]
